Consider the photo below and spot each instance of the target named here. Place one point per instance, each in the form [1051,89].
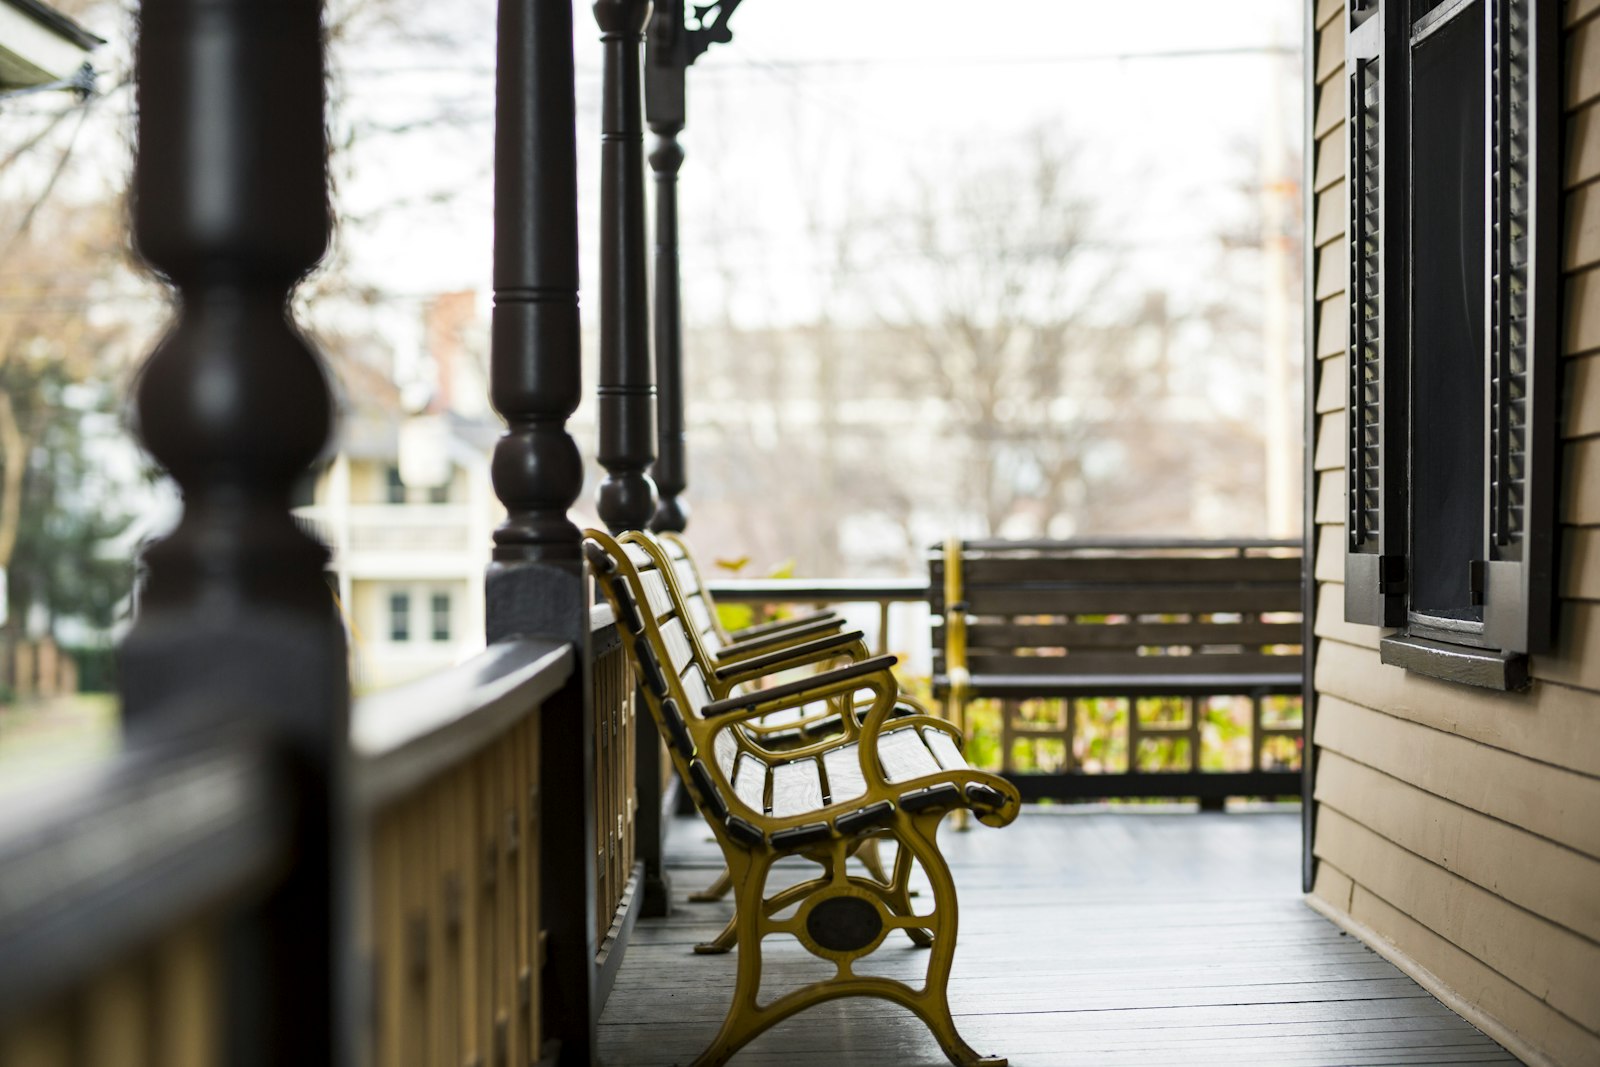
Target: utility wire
[820,62]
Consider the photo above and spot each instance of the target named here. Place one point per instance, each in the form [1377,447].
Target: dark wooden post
[236,622]
[627,497]
[536,585]
[667,61]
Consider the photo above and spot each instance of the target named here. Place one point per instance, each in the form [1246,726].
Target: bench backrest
[669,663]
[702,612]
[1071,608]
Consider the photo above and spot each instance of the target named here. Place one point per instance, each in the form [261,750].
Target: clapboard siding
[1518,791]
[1583,63]
[1580,563]
[1581,298]
[1455,826]
[1582,146]
[1554,724]
[1581,412]
[1553,963]
[1507,1011]
[1534,873]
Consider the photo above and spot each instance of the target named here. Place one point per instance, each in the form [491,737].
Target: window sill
[1456,663]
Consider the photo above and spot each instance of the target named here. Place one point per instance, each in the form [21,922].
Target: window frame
[1514,578]
[400,612]
[434,614]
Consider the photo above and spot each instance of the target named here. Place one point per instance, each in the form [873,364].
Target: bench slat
[677,641]
[1130,600]
[1135,570]
[1108,663]
[703,624]
[904,756]
[944,749]
[843,765]
[796,788]
[1129,635]
[1028,685]
[750,782]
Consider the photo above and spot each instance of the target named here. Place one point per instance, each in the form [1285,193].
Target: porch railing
[130,894]
[616,793]
[1112,745]
[120,892]
[447,791]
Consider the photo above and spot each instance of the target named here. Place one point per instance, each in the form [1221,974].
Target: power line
[1009,61]
[824,63]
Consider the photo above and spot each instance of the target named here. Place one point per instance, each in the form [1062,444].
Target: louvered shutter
[1524,364]
[1375,486]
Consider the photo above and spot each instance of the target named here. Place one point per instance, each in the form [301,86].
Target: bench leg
[932,1004]
[716,890]
[899,898]
[747,1019]
[872,859]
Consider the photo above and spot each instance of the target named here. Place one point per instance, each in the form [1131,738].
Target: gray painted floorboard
[1087,937]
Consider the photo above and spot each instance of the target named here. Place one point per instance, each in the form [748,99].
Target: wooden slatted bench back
[1070,617]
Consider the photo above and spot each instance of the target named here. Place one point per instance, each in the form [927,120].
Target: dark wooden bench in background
[1020,621]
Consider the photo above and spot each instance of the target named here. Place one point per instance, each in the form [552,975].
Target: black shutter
[1375,486]
[1524,358]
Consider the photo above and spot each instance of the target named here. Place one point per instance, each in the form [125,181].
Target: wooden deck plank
[1095,937]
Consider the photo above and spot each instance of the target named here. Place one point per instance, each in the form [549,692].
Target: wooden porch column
[536,585]
[627,497]
[666,62]
[236,623]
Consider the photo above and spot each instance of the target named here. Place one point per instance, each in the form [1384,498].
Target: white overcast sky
[826,102]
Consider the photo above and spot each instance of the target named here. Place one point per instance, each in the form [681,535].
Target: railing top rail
[1122,543]
[822,590]
[404,736]
[103,860]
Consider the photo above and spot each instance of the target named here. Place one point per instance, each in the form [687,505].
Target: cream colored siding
[369,482]
[1457,828]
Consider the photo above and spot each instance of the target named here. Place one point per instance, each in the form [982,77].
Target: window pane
[396,487]
[1449,169]
[399,616]
[441,616]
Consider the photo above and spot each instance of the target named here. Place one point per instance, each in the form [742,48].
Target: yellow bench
[880,777]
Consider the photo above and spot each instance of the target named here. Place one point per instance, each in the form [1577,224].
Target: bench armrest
[780,625]
[767,642]
[793,656]
[809,688]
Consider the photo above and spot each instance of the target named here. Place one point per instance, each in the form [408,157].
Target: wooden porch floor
[1098,938]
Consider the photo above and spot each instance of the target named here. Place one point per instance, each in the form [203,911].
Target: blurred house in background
[406,504]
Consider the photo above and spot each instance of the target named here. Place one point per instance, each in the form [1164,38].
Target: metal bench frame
[839,917]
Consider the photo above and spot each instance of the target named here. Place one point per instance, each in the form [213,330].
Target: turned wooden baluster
[536,583]
[627,497]
[666,62]
[235,620]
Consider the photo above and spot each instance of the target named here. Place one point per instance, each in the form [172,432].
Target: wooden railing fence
[123,895]
[618,871]
[447,776]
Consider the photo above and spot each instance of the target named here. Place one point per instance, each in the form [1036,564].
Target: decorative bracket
[707,24]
